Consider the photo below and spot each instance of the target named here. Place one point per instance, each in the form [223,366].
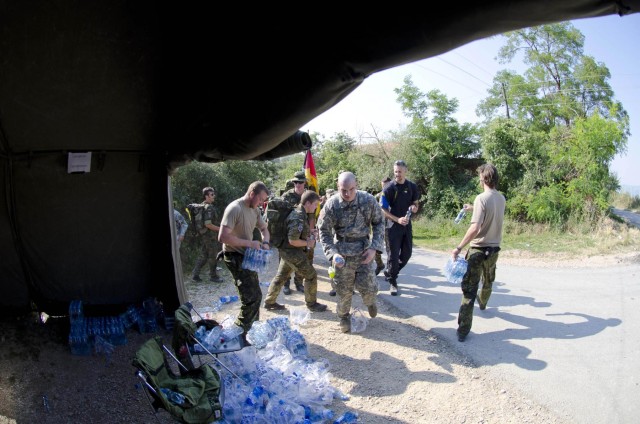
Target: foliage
[574,239]
[551,131]
[230,179]
[626,201]
[437,146]
[562,128]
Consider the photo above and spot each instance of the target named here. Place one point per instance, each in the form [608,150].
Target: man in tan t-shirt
[240,218]
[485,236]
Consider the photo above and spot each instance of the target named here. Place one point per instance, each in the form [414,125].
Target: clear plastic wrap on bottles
[295,342]
[454,271]
[174,397]
[358,321]
[257,259]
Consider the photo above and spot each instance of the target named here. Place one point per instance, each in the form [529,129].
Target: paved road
[630,217]
[568,338]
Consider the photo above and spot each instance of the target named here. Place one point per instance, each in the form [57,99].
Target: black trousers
[400,249]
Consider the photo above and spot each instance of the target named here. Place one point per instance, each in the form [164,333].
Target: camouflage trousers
[354,275]
[294,260]
[297,277]
[208,251]
[379,262]
[481,265]
[248,287]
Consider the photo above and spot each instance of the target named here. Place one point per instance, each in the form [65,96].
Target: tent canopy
[147,86]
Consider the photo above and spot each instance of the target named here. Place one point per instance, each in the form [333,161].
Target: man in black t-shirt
[401,196]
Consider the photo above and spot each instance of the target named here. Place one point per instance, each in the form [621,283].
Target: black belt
[487,250]
[231,254]
[352,239]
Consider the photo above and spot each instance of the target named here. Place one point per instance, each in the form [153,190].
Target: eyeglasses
[298,182]
[400,163]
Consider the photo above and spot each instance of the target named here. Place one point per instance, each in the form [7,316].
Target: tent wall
[102,236]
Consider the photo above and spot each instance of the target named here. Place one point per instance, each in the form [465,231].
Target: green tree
[562,129]
[439,147]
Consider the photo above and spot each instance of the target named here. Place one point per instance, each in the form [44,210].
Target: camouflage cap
[299,177]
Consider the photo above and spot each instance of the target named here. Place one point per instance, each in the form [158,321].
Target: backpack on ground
[276,213]
[196,216]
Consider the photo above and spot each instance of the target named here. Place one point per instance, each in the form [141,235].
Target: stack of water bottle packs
[275,381]
[87,333]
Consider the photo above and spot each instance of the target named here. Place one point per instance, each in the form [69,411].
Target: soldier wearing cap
[293,196]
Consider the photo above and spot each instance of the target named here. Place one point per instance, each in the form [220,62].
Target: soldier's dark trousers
[208,254]
[248,286]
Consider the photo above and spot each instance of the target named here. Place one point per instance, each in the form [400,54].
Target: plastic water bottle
[332,272]
[454,270]
[347,417]
[295,342]
[229,299]
[358,321]
[212,339]
[231,332]
[260,334]
[460,216]
[175,397]
[408,215]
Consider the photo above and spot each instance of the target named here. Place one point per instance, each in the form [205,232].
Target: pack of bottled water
[257,259]
[279,382]
[455,270]
[358,321]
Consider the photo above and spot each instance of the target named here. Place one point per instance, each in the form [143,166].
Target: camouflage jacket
[210,217]
[358,225]
[293,198]
[297,227]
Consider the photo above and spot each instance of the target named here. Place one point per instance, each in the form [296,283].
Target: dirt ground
[393,372]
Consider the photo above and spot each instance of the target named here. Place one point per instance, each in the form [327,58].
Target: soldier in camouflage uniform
[210,246]
[294,256]
[356,219]
[293,197]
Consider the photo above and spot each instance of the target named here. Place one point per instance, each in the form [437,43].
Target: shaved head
[346,178]
[347,186]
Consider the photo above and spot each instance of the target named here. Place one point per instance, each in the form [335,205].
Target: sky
[467,72]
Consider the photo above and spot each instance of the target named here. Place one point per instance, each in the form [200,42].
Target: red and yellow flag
[310,175]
